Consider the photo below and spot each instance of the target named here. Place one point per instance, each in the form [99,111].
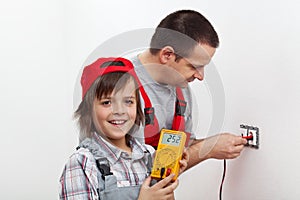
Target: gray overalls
[108,189]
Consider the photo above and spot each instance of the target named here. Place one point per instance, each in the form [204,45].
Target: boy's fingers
[170,188]
[183,163]
[147,182]
[165,181]
[174,185]
[185,155]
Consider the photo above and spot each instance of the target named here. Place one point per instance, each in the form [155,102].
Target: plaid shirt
[79,179]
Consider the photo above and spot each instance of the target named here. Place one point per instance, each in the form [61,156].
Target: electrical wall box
[250,133]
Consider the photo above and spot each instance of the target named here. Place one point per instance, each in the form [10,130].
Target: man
[183,43]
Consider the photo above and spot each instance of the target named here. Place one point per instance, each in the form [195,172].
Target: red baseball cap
[103,66]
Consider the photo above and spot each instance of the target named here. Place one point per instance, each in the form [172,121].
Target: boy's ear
[166,54]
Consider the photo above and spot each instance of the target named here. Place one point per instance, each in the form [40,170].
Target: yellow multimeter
[169,152]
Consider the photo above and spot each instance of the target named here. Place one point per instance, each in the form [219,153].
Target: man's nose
[199,74]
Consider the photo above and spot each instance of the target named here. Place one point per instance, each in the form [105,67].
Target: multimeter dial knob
[165,157]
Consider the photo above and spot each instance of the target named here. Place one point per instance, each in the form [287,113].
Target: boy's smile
[115,114]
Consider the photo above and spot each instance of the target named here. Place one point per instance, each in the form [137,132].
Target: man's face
[188,69]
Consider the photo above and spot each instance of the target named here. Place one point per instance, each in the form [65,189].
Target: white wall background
[44,43]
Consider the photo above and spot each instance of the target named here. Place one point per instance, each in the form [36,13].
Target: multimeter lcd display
[171,139]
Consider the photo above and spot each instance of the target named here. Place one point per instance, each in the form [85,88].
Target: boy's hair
[183,30]
[103,86]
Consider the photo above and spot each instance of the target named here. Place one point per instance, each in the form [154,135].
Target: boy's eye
[129,101]
[105,102]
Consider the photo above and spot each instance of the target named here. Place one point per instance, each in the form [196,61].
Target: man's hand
[221,146]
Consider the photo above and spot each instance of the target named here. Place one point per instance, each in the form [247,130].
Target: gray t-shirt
[163,99]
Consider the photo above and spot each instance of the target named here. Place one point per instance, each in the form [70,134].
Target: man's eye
[199,67]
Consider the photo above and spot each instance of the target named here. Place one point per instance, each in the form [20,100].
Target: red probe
[248,137]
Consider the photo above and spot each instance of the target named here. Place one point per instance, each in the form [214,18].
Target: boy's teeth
[117,122]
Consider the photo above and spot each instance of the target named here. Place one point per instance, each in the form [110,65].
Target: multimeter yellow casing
[169,152]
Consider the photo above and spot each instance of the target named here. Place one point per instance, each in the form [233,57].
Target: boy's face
[114,115]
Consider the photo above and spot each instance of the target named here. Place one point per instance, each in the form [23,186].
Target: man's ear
[166,54]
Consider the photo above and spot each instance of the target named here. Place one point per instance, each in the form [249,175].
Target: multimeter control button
[162,172]
[169,170]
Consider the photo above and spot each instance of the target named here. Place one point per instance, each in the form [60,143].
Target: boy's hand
[162,190]
[184,161]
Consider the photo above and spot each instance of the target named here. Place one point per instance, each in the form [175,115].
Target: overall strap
[104,168]
[107,181]
[178,120]
[180,107]
[151,129]
[101,161]
[149,163]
